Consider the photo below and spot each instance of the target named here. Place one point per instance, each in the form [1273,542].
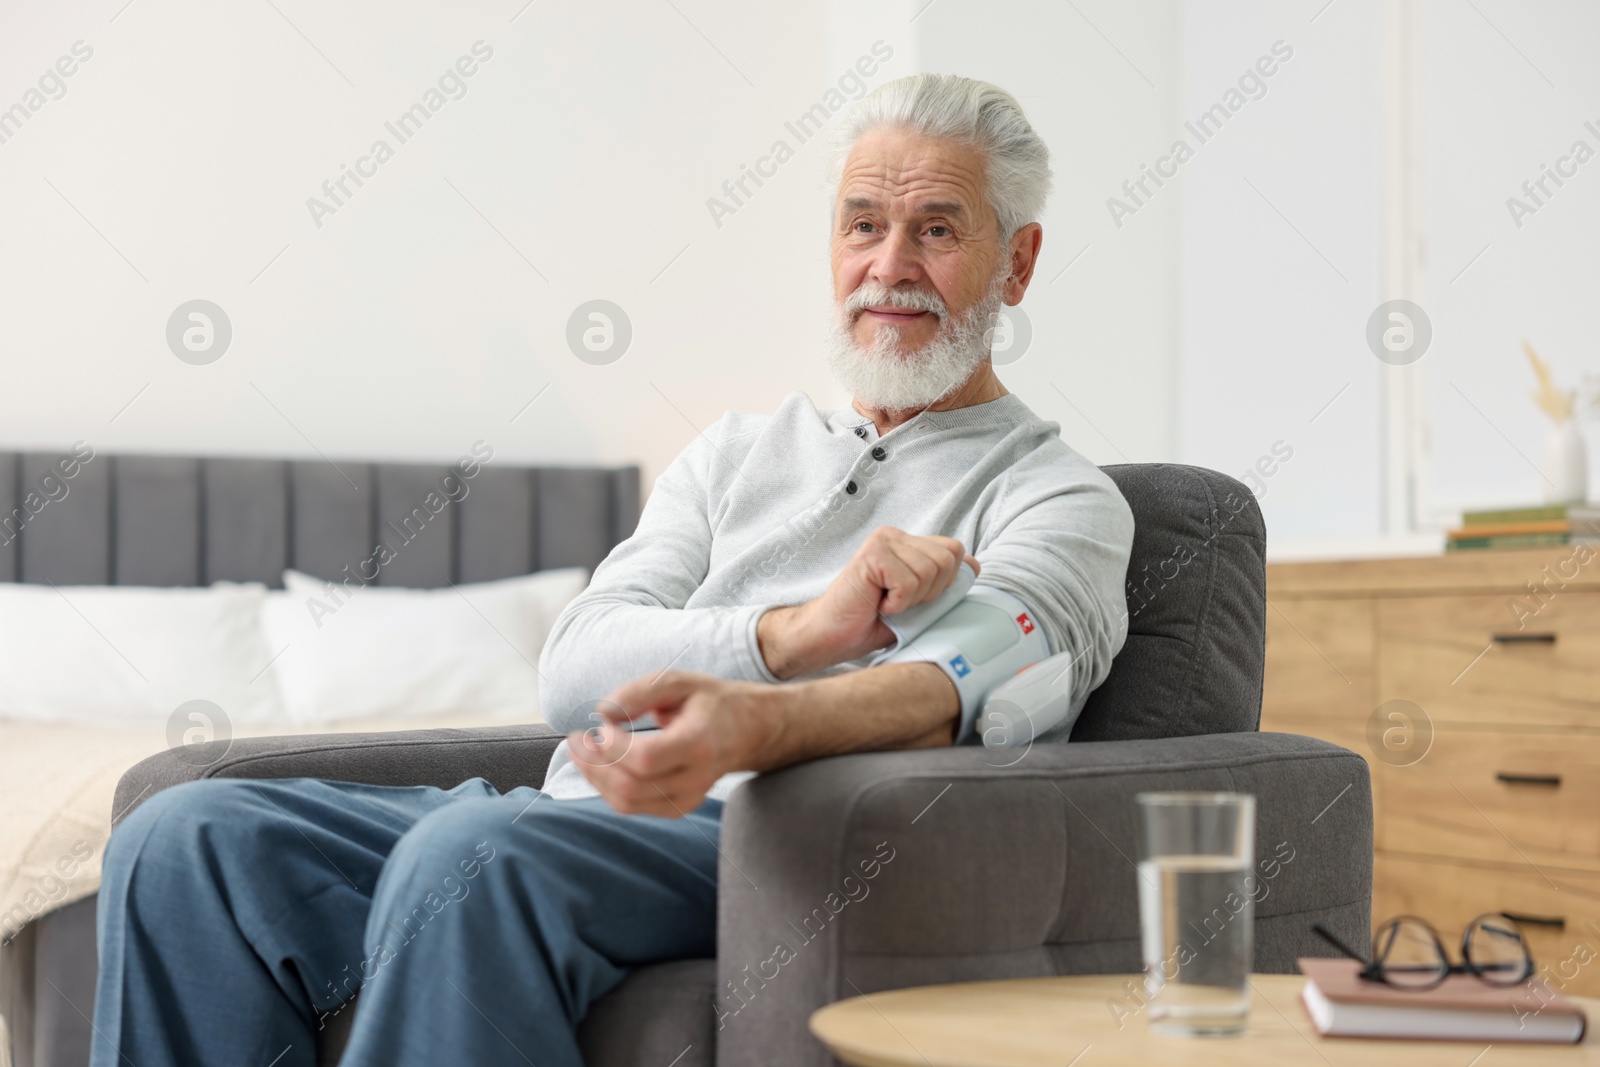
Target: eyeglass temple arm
[1322,932]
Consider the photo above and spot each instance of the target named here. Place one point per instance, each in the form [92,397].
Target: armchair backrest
[1197,609]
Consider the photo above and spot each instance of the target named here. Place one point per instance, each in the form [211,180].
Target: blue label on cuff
[959,665]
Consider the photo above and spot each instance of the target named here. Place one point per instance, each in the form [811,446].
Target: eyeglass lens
[1410,953]
[1493,947]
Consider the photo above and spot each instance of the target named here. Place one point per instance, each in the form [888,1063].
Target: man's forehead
[916,206]
[926,175]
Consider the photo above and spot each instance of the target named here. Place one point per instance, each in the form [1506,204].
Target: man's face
[917,269]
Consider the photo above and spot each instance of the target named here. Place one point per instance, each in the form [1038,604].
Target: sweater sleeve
[631,619]
[1063,550]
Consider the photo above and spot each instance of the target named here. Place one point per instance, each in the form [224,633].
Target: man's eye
[862,223]
[945,229]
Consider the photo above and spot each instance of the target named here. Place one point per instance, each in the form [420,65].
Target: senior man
[732,634]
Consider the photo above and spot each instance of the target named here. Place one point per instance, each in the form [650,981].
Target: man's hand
[890,572]
[708,727]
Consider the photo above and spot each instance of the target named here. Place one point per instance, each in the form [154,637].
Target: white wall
[405,326]
[179,162]
[1282,241]
[1217,320]
[1507,91]
[1276,295]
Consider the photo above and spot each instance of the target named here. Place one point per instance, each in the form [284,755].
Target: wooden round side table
[1035,1022]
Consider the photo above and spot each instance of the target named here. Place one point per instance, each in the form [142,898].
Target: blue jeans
[236,915]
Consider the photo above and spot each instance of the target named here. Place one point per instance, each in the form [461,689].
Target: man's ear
[1024,255]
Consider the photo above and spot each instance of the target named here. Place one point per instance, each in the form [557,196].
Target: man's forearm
[601,639]
[895,706]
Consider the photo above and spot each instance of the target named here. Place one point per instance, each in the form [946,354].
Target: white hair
[970,112]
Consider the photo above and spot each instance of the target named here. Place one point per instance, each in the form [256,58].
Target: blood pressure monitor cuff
[980,642]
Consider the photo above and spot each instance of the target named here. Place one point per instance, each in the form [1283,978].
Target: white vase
[1566,464]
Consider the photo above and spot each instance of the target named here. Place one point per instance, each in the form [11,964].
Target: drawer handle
[1529,779]
[1521,638]
[1557,922]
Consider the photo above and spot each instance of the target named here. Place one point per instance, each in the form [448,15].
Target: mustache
[870,294]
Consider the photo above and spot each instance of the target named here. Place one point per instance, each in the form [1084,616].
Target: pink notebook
[1464,1008]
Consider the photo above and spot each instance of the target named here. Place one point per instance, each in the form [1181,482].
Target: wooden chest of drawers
[1471,684]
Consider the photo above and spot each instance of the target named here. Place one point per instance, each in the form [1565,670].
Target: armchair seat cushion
[659,1015]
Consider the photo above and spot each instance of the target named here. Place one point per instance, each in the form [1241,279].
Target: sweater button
[879,453]
[861,432]
[850,488]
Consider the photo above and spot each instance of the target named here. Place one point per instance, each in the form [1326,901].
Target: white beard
[880,377]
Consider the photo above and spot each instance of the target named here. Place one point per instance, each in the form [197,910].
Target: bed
[147,520]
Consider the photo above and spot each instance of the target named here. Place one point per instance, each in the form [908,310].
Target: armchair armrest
[860,873]
[508,756]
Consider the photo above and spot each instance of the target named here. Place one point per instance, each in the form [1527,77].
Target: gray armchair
[867,872]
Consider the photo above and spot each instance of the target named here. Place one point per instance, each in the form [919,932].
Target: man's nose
[898,260]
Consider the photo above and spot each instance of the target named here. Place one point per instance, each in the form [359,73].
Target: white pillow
[361,651]
[132,654]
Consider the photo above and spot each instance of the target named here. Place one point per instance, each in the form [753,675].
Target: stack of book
[1526,527]
[1464,1008]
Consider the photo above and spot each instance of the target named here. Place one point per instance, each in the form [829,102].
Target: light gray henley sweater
[762,511]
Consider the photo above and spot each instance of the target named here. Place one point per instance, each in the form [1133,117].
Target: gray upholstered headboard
[175,520]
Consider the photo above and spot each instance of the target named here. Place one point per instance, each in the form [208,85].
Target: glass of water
[1196,913]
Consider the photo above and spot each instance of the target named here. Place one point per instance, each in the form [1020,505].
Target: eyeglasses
[1407,952]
